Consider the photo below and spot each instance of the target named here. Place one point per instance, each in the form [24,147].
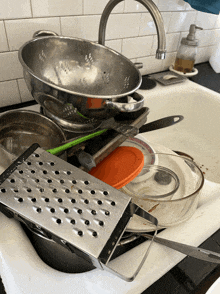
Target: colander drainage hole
[74,182]
[105,193]
[80,191]
[29,190]
[80,233]
[86,222]
[20,200]
[36,155]
[3,190]
[28,163]
[99,202]
[86,201]
[60,200]
[101,223]
[49,181]
[38,210]
[93,192]
[73,221]
[12,180]
[52,210]
[58,221]
[33,199]
[47,200]
[66,210]
[73,200]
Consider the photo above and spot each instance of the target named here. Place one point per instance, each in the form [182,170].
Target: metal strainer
[68,205]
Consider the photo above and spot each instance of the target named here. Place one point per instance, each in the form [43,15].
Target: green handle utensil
[57,150]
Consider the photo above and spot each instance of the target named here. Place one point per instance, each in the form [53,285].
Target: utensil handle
[192,251]
[161,123]
[127,107]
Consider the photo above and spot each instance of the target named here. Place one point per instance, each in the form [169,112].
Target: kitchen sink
[198,134]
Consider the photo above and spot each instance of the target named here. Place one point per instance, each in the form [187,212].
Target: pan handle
[127,107]
[43,33]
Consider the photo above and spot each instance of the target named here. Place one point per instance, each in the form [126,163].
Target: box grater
[66,204]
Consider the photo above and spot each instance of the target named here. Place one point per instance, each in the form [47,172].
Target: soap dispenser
[186,54]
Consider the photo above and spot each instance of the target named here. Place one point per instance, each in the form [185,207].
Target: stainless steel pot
[94,79]
[19,129]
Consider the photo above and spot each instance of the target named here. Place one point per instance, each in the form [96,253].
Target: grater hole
[73,221]
[61,181]
[54,190]
[66,210]
[93,192]
[29,190]
[33,199]
[32,171]
[12,180]
[28,163]
[41,190]
[93,212]
[36,155]
[49,181]
[99,202]
[3,190]
[38,210]
[68,172]
[67,191]
[101,223]
[15,190]
[57,172]
[47,200]
[86,201]
[73,200]
[58,221]
[20,199]
[40,163]
[37,180]
[105,193]
[74,182]
[86,182]
[60,200]
[80,191]
[80,233]
[79,211]
[113,203]
[107,213]
[52,163]
[20,171]
[52,210]
[94,234]
[44,172]
[87,222]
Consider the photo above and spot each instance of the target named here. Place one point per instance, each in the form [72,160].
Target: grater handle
[135,209]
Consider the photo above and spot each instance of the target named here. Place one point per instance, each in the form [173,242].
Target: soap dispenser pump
[186,54]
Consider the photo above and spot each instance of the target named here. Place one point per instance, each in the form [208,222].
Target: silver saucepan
[95,80]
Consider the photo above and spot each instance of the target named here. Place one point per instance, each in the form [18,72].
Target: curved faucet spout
[156,15]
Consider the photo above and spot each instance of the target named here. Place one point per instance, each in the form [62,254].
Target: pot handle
[43,33]
[127,107]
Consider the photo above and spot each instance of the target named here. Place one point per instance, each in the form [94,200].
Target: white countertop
[23,272]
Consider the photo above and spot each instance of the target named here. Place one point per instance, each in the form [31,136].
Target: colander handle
[127,107]
[43,33]
[113,265]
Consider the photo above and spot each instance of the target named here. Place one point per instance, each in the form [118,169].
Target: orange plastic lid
[120,167]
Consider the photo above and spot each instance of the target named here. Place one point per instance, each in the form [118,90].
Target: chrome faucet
[156,15]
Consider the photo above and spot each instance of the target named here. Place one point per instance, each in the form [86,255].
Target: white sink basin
[199,133]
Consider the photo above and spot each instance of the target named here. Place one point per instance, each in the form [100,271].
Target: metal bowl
[19,129]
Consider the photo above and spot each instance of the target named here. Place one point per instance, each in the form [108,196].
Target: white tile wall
[56,7]
[130,31]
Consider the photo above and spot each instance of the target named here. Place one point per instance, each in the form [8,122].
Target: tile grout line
[6,35]
[19,92]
